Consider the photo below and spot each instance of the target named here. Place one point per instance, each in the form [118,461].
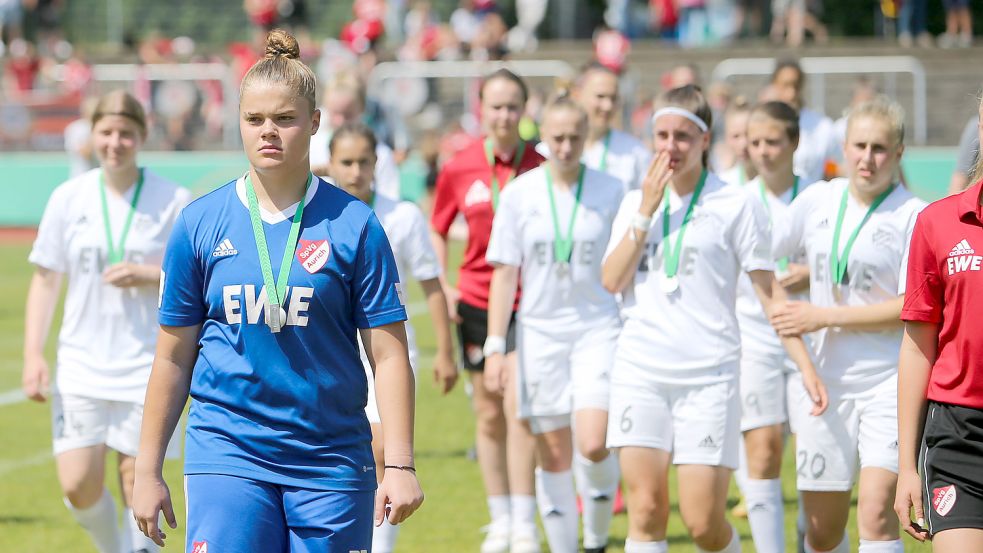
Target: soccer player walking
[551,227]
[855,232]
[104,230]
[940,396]
[470,184]
[279,451]
[677,248]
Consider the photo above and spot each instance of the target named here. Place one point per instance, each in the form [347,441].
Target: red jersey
[464,186]
[945,276]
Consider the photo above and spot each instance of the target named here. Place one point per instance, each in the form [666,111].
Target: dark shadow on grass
[19,519]
[441,453]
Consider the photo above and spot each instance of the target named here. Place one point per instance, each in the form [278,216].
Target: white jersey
[409,237]
[557,297]
[108,334]
[852,360]
[736,175]
[817,144]
[626,158]
[693,331]
[386,170]
[757,334]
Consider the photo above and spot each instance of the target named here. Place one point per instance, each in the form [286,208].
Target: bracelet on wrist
[408,468]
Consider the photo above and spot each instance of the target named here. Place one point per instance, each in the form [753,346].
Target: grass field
[34,520]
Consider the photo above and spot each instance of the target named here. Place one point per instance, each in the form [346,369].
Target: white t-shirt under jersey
[852,360]
[108,334]
[409,237]
[627,158]
[386,171]
[523,235]
[757,334]
[687,335]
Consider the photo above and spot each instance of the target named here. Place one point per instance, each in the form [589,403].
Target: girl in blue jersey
[278,447]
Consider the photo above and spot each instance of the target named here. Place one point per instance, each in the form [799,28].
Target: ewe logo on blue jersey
[242,300]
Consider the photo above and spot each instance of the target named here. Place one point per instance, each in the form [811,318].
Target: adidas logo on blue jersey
[224,249]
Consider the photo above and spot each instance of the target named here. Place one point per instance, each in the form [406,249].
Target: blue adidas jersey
[284,408]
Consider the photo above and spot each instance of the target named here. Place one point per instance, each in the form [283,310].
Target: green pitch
[34,520]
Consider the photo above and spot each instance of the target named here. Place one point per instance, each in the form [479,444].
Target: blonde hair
[883,108]
[560,100]
[282,65]
[122,103]
[346,82]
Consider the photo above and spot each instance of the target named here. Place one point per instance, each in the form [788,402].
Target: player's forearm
[501,299]
[439,242]
[394,388]
[42,296]
[872,318]
[437,305]
[167,393]
[918,354]
[619,267]
[149,274]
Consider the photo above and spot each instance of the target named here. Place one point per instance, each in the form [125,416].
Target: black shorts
[952,451]
[471,334]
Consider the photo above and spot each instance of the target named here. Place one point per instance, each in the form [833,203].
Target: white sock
[558,508]
[596,484]
[500,509]
[137,541]
[870,546]
[100,521]
[740,475]
[523,513]
[843,547]
[734,546]
[632,546]
[765,514]
[384,537]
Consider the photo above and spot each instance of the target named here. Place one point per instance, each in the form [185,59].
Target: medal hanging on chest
[115,254]
[669,281]
[276,290]
[563,245]
[838,260]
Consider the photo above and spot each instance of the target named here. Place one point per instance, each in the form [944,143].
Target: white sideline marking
[39,458]
[10,397]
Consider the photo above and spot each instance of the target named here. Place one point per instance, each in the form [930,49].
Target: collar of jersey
[274,217]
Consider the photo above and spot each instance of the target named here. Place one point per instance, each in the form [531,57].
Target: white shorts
[78,422]
[371,404]
[763,384]
[561,373]
[827,447]
[699,423]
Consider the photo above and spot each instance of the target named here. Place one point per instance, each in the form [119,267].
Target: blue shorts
[232,514]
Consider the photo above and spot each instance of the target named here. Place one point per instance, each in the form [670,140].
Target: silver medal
[669,284]
[562,269]
[276,318]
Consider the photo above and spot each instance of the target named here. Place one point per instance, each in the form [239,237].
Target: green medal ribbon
[837,260]
[604,155]
[114,254]
[520,151]
[783,262]
[742,176]
[563,246]
[671,255]
[276,290]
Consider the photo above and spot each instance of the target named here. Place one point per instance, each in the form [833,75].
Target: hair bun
[279,43]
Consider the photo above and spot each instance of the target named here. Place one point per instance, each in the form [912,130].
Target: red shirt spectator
[464,186]
[945,275]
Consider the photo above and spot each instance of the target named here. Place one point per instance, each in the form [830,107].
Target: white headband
[672,110]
